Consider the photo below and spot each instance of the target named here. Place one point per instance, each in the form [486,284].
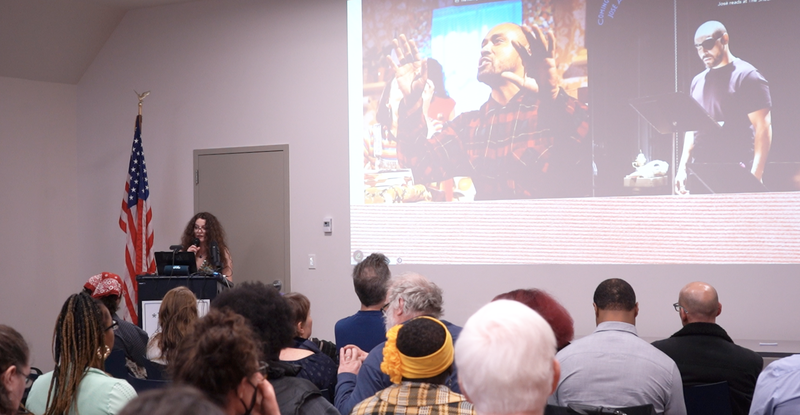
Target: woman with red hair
[551,310]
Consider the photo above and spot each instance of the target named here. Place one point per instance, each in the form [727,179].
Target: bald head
[499,55]
[709,29]
[700,302]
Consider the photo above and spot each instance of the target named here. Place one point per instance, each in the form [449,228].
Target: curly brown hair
[176,317]
[217,355]
[214,232]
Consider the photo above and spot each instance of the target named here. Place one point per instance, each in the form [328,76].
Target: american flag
[135,220]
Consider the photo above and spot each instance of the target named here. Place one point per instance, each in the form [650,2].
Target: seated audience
[705,353]
[316,366]
[301,312]
[220,356]
[270,318]
[176,400]
[551,310]
[613,367]
[128,337]
[82,339]
[778,388]
[409,296]
[15,367]
[176,318]
[365,328]
[506,360]
[418,358]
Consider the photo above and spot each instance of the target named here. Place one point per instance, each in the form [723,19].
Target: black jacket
[705,354]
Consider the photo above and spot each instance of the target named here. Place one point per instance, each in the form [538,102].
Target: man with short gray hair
[705,353]
[360,376]
[506,357]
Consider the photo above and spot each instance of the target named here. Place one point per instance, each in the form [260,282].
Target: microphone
[215,255]
[196,242]
[175,248]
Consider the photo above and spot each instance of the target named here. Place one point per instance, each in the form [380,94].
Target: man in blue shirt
[365,328]
[778,388]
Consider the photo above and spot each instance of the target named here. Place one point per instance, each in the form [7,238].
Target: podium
[152,289]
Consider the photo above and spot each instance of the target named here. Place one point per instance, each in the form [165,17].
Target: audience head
[82,339]
[301,314]
[265,310]
[106,287]
[412,295]
[221,358]
[551,310]
[506,359]
[421,350]
[614,300]
[176,400]
[699,303]
[14,369]
[176,318]
[371,279]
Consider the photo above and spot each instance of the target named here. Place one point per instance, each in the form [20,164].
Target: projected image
[472,101]
[744,85]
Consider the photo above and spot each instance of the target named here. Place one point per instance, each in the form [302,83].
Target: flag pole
[141,98]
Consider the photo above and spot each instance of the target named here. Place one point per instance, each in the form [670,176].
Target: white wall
[254,72]
[38,205]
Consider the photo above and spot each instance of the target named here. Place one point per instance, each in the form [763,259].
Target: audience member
[176,400]
[301,318]
[316,366]
[82,340]
[778,388]
[14,369]
[551,310]
[221,358]
[613,367]
[705,353]
[360,376]
[128,337]
[506,360]
[270,318]
[365,328]
[418,358]
[176,317]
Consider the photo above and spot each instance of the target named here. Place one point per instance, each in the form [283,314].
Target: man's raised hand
[411,71]
[540,63]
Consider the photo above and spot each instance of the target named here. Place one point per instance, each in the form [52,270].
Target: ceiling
[57,40]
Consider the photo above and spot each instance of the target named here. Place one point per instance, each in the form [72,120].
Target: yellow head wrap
[399,366]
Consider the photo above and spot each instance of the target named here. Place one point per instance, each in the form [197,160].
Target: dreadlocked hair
[77,346]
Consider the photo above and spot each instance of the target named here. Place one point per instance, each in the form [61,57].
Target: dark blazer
[705,353]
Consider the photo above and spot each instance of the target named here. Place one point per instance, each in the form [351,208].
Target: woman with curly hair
[14,369]
[82,339]
[203,231]
[176,318]
[221,358]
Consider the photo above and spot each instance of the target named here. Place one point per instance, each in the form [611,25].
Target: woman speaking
[204,236]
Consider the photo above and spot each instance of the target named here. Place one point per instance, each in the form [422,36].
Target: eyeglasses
[384,308]
[709,43]
[262,368]
[678,308]
[199,228]
[113,326]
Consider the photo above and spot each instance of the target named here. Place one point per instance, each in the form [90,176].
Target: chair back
[115,364]
[141,385]
[710,399]
[580,409]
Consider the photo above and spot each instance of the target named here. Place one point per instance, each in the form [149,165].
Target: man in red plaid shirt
[527,141]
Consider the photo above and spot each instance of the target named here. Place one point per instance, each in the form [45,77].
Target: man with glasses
[736,96]
[360,376]
[705,353]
